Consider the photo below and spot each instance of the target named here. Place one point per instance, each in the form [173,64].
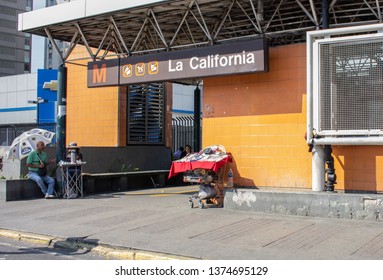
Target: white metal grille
[350,87]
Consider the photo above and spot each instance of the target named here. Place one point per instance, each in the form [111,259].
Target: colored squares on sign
[153,67]
[127,70]
[140,69]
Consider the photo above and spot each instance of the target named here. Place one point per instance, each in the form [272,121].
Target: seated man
[36,163]
[178,154]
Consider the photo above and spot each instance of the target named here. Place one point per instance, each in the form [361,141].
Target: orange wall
[261,119]
[92,114]
[359,167]
[97,117]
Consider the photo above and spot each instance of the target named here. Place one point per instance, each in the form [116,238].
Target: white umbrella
[24,144]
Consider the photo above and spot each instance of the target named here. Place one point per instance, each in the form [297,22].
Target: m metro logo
[99,75]
[103,73]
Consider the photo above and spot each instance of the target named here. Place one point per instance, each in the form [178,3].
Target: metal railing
[183,132]
[9,132]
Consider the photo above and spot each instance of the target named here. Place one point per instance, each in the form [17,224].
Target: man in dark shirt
[178,154]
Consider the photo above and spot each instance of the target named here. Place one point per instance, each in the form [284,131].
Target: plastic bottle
[73,156]
[230,179]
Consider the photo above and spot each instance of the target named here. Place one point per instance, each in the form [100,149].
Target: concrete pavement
[159,224]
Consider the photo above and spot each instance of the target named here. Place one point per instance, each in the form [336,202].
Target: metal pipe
[318,162]
[180,24]
[374,140]
[119,34]
[54,44]
[330,170]
[228,10]
[197,118]
[318,170]
[88,48]
[312,6]
[345,30]
[309,85]
[325,14]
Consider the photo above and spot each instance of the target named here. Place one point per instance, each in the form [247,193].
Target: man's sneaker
[50,196]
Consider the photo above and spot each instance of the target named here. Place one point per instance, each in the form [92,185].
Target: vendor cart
[207,169]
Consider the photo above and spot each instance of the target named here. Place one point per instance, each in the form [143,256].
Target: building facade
[15,92]
[15,46]
[261,118]
[27,101]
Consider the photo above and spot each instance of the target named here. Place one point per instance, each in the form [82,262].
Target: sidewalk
[159,224]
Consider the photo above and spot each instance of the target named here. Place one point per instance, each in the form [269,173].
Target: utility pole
[197,119]
[61,113]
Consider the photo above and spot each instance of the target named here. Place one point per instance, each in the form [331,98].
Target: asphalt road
[11,249]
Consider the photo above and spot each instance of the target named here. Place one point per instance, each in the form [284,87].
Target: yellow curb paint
[9,234]
[108,252]
[114,254]
[37,239]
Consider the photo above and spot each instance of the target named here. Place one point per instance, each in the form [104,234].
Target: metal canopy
[155,26]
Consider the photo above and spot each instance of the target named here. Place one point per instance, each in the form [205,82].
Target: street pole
[197,119]
[38,113]
[61,113]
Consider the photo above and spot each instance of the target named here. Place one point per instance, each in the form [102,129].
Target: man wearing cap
[73,146]
[74,171]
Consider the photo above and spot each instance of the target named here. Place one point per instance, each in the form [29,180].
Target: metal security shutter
[351,87]
[146,103]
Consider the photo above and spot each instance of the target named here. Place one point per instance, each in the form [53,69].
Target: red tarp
[210,158]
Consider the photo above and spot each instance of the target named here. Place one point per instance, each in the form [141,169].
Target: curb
[110,252]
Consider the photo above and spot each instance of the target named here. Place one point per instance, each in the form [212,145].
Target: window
[7,37]
[29,3]
[7,51]
[7,11]
[27,67]
[8,24]
[7,64]
[145,119]
[27,57]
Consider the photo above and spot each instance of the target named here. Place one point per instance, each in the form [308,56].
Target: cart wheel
[191,204]
[201,204]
